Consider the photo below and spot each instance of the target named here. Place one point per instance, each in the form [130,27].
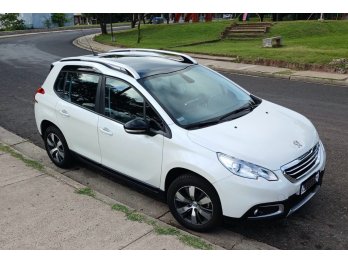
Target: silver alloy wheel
[193,205]
[55,147]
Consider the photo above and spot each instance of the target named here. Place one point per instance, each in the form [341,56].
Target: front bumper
[283,208]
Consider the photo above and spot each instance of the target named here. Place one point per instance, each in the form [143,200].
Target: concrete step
[243,35]
[261,30]
[249,27]
[255,24]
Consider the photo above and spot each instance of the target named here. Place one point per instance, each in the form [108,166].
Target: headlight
[245,169]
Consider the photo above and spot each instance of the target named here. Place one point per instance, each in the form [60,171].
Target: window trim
[166,132]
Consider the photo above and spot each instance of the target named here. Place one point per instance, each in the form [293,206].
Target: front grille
[300,167]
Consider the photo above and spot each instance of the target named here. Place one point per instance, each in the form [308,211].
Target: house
[37,20]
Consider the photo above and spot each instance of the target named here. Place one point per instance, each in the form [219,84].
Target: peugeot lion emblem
[297,143]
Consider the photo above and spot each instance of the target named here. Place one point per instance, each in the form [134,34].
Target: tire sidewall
[67,155]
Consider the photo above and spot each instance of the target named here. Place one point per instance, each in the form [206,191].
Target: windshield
[196,95]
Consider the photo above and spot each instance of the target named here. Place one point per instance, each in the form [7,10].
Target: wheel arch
[45,124]
[177,172]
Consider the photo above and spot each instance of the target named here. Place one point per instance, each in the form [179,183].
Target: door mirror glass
[137,126]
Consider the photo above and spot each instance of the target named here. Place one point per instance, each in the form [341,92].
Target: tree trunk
[139,21]
[261,17]
[134,21]
[102,21]
[103,28]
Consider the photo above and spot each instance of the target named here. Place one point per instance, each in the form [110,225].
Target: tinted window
[81,89]
[122,102]
[59,84]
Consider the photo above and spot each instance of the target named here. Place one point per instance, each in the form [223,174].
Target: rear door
[76,110]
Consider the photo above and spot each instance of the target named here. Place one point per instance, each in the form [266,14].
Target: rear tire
[194,203]
[57,148]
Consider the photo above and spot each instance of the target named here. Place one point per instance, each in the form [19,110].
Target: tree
[10,22]
[134,20]
[47,22]
[140,17]
[59,19]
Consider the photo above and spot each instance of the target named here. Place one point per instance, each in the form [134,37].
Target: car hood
[267,136]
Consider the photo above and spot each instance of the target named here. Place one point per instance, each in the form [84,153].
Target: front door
[136,156]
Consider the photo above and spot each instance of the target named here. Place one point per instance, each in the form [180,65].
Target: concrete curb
[286,77]
[44,32]
[31,151]
[53,31]
[81,43]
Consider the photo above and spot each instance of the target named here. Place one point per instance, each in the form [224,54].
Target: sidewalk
[227,64]
[42,209]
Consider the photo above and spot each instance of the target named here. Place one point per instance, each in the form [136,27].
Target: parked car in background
[157,20]
[227,16]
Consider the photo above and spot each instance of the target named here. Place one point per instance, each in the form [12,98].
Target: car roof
[140,63]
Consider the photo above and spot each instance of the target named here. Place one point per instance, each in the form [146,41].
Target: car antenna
[89,44]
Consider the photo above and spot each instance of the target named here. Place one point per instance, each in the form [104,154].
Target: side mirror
[137,126]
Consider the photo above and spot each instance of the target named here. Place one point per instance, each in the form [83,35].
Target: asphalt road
[321,224]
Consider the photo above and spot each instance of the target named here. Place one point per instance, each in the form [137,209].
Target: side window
[59,84]
[81,88]
[122,102]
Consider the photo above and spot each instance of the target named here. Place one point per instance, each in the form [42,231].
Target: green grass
[305,42]
[189,240]
[167,36]
[86,191]
[28,162]
[192,241]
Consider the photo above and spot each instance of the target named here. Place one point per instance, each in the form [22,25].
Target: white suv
[160,120]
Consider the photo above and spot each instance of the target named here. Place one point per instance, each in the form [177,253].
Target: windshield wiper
[247,107]
[236,113]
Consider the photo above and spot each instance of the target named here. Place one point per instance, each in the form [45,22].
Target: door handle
[106,131]
[64,113]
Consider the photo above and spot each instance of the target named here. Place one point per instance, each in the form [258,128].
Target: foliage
[47,22]
[59,19]
[11,21]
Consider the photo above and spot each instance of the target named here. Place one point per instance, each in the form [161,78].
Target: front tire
[57,148]
[194,203]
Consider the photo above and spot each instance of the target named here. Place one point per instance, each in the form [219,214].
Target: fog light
[317,176]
